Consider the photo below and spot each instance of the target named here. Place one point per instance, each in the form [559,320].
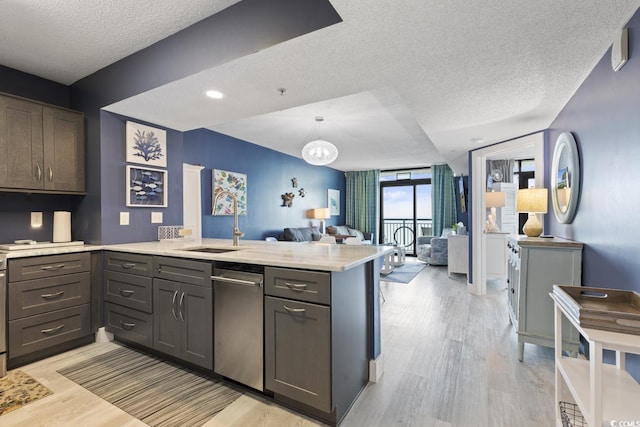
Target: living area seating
[301,234]
[434,250]
[341,232]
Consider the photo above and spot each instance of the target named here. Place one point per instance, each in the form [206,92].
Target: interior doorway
[530,146]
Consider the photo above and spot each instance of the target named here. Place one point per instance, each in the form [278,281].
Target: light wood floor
[450,360]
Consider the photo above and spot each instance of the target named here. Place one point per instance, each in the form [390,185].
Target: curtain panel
[363,200]
[443,198]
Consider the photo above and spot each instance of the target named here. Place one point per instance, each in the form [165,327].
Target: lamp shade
[495,199]
[532,200]
[318,213]
[319,152]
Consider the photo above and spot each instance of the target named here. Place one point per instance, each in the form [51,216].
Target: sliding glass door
[405,209]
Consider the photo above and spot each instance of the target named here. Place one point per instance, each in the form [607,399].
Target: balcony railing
[401,231]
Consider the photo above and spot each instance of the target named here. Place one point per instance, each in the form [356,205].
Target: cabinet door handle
[296,286]
[181,307]
[38,172]
[173,305]
[52,296]
[127,326]
[50,173]
[127,265]
[126,292]
[52,330]
[294,310]
[51,267]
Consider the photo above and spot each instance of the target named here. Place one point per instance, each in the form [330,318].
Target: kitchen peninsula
[308,327]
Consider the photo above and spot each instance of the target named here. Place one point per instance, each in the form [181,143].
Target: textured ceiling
[400,84]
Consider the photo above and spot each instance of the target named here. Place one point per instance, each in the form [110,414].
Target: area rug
[156,392]
[18,389]
[403,274]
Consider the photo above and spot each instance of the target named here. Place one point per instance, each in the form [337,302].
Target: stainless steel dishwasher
[238,323]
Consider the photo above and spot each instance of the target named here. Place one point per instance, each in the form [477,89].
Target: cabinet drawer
[183,270]
[129,290]
[48,266]
[35,333]
[129,263]
[129,324]
[312,286]
[31,297]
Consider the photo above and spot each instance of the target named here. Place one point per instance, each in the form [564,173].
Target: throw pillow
[356,233]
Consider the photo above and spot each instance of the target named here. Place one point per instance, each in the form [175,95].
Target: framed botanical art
[333,201]
[146,145]
[146,187]
[236,184]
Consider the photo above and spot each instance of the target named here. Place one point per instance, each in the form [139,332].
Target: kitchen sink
[208,250]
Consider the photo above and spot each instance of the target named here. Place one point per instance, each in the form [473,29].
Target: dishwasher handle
[235,281]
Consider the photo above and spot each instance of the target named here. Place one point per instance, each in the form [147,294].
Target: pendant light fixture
[319,152]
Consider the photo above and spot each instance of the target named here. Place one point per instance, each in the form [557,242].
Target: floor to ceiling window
[405,207]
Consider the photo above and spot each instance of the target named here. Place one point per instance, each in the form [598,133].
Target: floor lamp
[494,199]
[532,201]
[319,213]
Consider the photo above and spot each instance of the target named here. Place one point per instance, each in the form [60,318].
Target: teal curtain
[443,198]
[363,200]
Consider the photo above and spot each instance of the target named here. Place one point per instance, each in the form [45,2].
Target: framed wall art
[146,187]
[333,201]
[146,145]
[236,184]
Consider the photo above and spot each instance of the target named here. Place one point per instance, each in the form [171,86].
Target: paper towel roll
[61,226]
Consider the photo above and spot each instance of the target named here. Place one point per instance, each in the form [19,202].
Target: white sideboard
[458,253]
[496,259]
[535,265]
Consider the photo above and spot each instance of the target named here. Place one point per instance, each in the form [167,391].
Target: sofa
[434,250]
[341,232]
[300,234]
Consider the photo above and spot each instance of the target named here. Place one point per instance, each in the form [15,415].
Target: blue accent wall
[603,117]
[269,175]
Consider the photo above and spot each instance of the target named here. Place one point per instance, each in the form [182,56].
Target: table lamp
[319,213]
[532,201]
[494,199]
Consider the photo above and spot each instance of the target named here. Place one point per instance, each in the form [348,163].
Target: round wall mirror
[565,178]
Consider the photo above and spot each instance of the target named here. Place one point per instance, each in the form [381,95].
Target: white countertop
[311,256]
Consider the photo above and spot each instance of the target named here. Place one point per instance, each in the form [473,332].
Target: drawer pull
[127,265]
[126,292]
[53,296]
[296,286]
[51,267]
[294,310]
[52,330]
[127,326]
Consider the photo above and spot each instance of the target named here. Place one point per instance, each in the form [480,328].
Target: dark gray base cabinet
[183,312]
[133,325]
[297,351]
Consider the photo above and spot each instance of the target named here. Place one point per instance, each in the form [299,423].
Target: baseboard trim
[376,368]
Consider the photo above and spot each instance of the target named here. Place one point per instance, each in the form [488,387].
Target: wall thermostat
[620,50]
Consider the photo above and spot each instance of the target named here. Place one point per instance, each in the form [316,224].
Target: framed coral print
[146,145]
[236,184]
[333,200]
[146,187]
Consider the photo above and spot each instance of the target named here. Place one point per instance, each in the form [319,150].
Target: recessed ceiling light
[214,94]
[477,140]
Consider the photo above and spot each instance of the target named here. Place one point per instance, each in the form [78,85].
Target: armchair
[434,250]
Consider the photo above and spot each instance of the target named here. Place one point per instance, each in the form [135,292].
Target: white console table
[458,253]
[606,394]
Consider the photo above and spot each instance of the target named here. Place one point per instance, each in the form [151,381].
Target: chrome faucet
[236,231]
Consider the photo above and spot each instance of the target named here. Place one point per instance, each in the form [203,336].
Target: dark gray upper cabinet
[63,135]
[41,148]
